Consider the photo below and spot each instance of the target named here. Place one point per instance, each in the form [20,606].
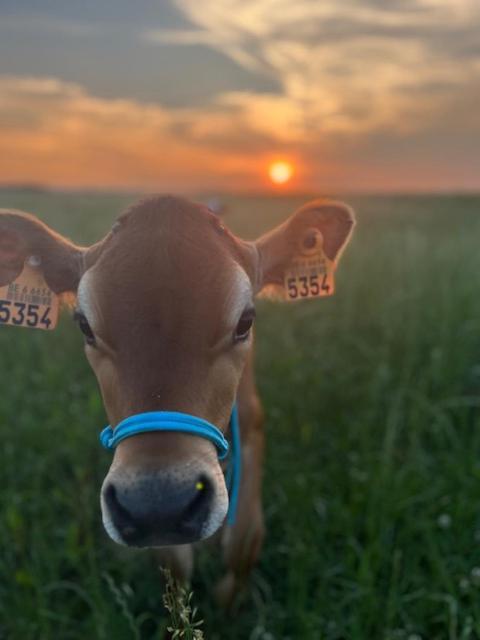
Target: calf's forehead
[168,255]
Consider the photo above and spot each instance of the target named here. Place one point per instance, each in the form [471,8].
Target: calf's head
[166,305]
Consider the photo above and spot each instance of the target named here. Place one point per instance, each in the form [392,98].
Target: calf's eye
[84,327]
[242,330]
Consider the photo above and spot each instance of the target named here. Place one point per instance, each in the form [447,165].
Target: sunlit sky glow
[187,95]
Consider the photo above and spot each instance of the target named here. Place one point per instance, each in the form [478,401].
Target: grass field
[372,483]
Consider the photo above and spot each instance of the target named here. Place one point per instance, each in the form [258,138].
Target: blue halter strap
[234,469]
[186,423]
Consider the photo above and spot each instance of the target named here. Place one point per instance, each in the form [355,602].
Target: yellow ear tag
[310,273]
[28,301]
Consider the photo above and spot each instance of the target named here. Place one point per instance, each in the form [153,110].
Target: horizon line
[222,192]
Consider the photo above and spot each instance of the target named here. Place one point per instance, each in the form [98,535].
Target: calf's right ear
[23,236]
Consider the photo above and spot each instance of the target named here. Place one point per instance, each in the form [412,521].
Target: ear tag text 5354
[28,301]
[310,273]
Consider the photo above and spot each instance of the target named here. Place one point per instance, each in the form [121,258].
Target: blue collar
[186,423]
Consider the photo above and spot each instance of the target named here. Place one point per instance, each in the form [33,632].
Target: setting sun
[280,171]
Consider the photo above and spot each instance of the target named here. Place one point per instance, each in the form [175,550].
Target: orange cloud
[55,132]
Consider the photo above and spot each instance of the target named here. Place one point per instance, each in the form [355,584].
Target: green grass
[372,481]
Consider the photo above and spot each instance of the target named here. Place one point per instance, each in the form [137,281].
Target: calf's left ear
[308,244]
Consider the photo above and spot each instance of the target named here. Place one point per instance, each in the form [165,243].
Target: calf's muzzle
[170,504]
[157,509]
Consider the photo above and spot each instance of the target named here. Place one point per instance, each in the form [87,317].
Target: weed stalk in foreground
[178,602]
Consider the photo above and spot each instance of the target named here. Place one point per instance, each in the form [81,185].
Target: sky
[188,95]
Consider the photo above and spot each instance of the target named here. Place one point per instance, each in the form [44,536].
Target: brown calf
[166,304]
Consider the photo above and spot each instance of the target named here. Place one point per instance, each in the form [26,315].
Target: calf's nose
[157,510]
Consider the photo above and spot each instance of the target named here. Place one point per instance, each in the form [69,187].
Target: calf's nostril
[198,506]
[120,516]
[110,496]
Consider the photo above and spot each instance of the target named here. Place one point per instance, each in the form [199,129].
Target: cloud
[56,132]
[343,68]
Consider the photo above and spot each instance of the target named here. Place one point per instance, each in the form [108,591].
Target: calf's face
[167,308]
[166,305]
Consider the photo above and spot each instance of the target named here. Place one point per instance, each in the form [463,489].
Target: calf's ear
[307,246]
[23,237]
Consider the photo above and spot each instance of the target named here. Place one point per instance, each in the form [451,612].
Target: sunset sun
[280,171]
